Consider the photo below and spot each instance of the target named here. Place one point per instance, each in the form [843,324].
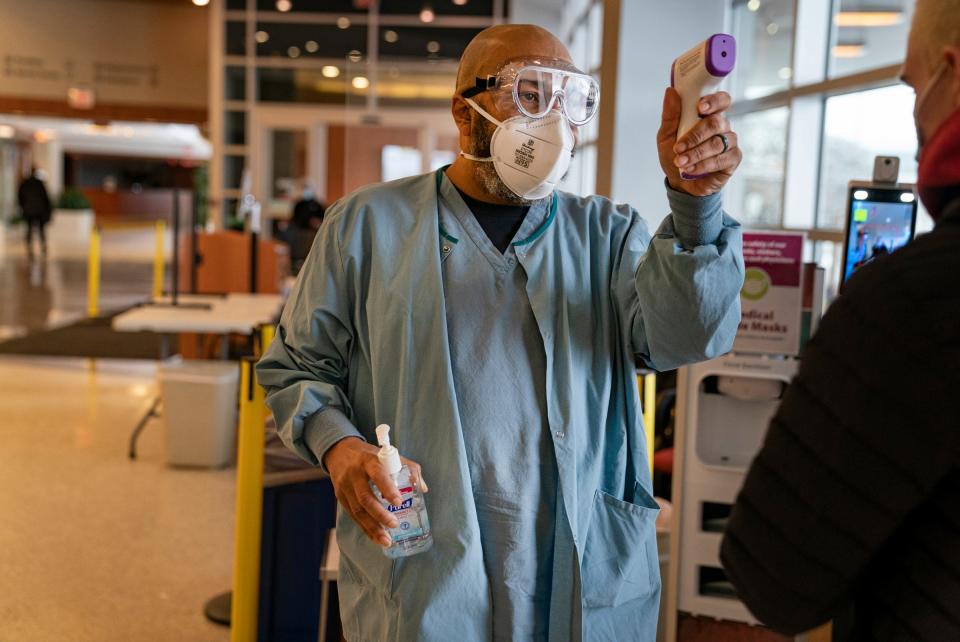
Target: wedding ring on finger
[726,143]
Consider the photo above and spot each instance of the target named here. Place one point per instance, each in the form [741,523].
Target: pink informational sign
[771,298]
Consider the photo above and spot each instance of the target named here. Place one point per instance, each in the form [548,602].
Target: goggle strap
[482,84]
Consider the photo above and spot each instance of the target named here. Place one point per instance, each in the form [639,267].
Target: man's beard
[480,134]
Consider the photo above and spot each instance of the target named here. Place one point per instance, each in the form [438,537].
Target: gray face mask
[938,73]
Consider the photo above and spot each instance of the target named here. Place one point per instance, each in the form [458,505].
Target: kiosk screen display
[880,220]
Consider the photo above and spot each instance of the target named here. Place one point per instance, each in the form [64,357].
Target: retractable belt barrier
[647,383]
[250,454]
[94,258]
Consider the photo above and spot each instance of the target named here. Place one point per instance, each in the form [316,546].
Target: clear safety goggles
[535,89]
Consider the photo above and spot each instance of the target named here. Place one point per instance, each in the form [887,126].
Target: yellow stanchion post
[647,385]
[160,232]
[93,273]
[246,561]
[267,332]
[650,412]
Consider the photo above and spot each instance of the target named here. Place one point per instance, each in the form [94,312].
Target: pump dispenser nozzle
[388,455]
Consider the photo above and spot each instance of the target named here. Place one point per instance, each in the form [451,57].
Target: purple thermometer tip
[721,54]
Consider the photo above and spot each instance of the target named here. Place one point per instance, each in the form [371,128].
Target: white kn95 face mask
[530,155]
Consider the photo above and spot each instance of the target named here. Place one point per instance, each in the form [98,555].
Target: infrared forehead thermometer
[699,72]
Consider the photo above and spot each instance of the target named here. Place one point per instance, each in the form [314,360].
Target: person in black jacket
[306,219]
[35,205]
[851,510]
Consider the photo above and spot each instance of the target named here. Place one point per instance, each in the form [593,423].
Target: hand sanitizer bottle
[412,534]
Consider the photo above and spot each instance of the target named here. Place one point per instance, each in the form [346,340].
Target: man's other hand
[700,151]
[353,464]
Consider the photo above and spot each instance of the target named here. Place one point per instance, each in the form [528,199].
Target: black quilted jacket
[851,511]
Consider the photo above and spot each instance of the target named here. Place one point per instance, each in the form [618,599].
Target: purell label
[409,524]
[407,503]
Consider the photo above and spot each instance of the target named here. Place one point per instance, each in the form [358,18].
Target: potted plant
[72,223]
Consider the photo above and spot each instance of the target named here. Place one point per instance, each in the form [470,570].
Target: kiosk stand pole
[254,244]
[253,262]
[175,268]
[194,223]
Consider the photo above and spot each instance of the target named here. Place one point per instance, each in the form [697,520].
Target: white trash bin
[200,411]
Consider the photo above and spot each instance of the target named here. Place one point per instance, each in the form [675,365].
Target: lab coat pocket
[620,554]
[362,562]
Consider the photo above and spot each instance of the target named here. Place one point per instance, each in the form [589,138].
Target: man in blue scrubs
[495,322]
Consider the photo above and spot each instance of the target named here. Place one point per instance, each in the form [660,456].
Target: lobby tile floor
[94,546]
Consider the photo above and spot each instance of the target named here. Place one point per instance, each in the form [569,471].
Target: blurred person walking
[35,206]
[306,219]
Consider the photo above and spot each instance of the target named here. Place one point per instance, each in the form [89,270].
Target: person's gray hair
[937,24]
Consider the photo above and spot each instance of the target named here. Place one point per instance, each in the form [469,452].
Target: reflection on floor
[92,545]
[52,292]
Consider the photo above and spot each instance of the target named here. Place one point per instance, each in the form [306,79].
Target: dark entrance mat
[92,338]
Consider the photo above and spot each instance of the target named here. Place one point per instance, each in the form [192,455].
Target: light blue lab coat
[363,340]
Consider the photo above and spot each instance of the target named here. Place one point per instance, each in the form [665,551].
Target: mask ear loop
[483,112]
[493,120]
[921,99]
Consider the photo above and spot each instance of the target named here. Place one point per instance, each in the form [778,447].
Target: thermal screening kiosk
[723,409]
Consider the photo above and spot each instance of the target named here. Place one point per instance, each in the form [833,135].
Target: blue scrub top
[499,375]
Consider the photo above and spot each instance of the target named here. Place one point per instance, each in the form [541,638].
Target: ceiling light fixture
[360,82]
[201,3]
[343,22]
[868,18]
[773,28]
[284,5]
[311,46]
[459,3]
[330,71]
[390,35]
[433,46]
[354,55]
[753,5]
[427,14]
[852,50]
[293,52]
[261,36]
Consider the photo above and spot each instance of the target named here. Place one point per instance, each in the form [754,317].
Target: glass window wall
[867,35]
[858,127]
[755,194]
[764,33]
